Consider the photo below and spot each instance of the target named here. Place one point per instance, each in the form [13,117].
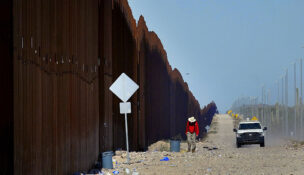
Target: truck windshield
[250,126]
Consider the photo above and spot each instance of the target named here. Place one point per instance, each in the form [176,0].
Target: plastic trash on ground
[135,172]
[115,172]
[164,159]
[114,163]
[127,171]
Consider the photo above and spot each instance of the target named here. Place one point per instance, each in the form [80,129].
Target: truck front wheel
[238,145]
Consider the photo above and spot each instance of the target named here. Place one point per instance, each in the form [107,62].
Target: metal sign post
[127,139]
[125,108]
[124,88]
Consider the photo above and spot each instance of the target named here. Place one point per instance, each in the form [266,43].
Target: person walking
[192,132]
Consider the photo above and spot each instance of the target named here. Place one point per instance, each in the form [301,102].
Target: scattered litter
[135,172]
[164,159]
[115,163]
[115,172]
[173,165]
[209,169]
[210,148]
[127,171]
[220,155]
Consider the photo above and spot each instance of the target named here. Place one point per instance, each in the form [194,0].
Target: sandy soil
[225,159]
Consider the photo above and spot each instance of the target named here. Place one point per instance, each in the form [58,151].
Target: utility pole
[268,109]
[286,100]
[268,97]
[251,104]
[282,108]
[295,83]
[295,106]
[263,104]
[286,88]
[301,102]
[278,108]
[278,97]
[282,90]
[301,82]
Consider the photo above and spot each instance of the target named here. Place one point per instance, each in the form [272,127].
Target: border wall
[60,58]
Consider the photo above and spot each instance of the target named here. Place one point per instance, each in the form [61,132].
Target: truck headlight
[262,134]
[238,135]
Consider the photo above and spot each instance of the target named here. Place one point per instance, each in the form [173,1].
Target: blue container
[175,145]
[107,160]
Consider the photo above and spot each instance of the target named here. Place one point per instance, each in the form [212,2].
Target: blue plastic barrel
[175,145]
[107,160]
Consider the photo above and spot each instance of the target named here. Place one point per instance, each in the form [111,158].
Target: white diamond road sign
[124,87]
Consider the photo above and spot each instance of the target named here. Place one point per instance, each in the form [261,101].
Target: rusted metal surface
[56,81]
[67,54]
[124,60]
[106,75]
[166,101]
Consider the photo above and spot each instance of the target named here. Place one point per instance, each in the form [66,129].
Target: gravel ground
[216,154]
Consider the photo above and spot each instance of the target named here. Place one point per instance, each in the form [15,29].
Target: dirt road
[224,159]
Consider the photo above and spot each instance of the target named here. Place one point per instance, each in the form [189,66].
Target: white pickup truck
[250,132]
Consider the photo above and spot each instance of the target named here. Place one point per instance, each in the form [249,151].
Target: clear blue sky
[229,47]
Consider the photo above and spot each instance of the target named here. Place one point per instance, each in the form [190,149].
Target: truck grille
[250,136]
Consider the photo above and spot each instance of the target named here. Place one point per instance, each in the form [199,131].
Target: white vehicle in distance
[250,132]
